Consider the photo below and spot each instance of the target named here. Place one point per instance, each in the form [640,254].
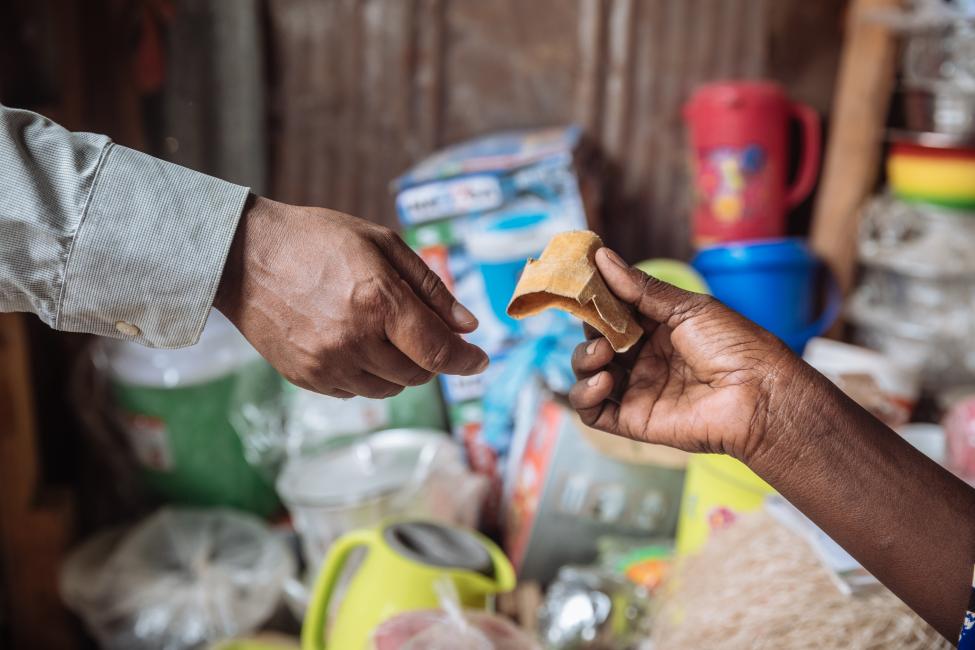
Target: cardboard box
[573,484]
[475,212]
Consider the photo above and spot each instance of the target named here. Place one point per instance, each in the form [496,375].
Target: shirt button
[128,329]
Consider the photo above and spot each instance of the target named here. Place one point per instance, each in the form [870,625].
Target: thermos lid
[435,545]
[731,94]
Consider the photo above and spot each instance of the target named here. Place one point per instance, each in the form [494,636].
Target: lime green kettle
[404,561]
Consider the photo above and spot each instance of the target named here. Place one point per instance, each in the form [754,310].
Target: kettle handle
[313,629]
[502,581]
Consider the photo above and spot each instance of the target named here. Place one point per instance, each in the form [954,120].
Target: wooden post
[853,153]
[35,524]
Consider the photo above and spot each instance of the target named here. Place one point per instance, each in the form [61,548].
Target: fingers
[591,356]
[653,298]
[316,387]
[367,384]
[428,285]
[422,336]
[590,398]
[332,392]
[364,384]
[590,331]
[386,362]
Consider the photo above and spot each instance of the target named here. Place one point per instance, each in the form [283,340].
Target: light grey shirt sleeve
[99,238]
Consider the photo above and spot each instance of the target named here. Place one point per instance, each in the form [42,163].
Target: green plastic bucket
[174,406]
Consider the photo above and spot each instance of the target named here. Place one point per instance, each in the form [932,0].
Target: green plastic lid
[681,275]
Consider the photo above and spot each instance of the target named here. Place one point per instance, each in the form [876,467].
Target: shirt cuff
[147,258]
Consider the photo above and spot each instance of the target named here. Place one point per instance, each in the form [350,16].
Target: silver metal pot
[940,108]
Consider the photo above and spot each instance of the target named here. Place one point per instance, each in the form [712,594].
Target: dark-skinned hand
[702,378]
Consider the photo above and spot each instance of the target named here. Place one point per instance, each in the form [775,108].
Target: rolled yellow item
[565,277]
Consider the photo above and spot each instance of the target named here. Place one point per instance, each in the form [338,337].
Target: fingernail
[592,347]
[462,316]
[614,258]
[485,362]
[593,380]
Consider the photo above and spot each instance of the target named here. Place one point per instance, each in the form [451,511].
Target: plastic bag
[279,421]
[178,580]
[450,628]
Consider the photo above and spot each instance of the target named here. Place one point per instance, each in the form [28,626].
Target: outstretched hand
[703,378]
[340,305]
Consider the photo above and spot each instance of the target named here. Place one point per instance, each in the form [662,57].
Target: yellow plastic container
[933,176]
[717,490]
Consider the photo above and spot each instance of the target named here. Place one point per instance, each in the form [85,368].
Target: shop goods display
[928,438]
[267,641]
[759,586]
[934,175]
[404,563]
[739,139]
[593,609]
[278,421]
[877,383]
[177,580]
[718,490]
[959,426]
[777,283]
[680,274]
[400,472]
[914,300]
[444,630]
[571,484]
[475,212]
[450,628]
[644,562]
[175,408]
[937,68]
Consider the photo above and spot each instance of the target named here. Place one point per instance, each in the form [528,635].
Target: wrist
[797,398]
[228,296]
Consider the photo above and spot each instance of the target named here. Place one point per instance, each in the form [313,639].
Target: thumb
[428,286]
[653,298]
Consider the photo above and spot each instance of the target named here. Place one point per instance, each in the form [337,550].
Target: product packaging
[450,628]
[476,212]
[178,580]
[570,485]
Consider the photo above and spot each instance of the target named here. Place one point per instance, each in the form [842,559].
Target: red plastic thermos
[739,136]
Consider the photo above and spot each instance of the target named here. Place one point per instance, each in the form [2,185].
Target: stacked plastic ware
[916,293]
[739,133]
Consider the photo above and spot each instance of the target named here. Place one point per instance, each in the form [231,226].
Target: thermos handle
[811,150]
[313,629]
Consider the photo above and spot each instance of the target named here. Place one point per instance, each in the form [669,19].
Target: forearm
[101,239]
[906,519]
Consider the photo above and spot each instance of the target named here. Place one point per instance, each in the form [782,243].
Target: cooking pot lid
[436,545]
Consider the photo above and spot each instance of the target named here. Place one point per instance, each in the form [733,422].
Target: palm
[690,389]
[701,379]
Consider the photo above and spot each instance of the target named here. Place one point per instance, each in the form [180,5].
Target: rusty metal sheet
[363,88]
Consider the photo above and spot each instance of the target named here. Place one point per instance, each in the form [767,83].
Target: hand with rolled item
[705,379]
[702,379]
[341,306]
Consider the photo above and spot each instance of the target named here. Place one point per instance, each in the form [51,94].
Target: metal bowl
[940,108]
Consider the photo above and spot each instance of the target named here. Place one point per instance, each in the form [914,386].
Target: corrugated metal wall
[363,88]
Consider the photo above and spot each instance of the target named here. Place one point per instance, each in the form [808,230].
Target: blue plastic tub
[774,283]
